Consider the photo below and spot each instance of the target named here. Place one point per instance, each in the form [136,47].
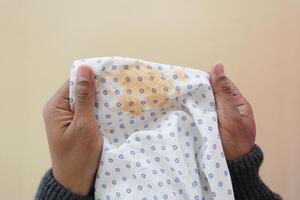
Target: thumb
[85,93]
[219,81]
[222,89]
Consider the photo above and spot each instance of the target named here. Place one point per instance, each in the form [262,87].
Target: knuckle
[84,83]
[224,85]
[237,97]
[82,92]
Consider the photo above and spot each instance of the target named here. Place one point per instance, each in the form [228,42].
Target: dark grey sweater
[246,182]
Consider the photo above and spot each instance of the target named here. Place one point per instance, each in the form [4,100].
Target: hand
[235,116]
[74,140]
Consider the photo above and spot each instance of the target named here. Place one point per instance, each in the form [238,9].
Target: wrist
[246,166]
[78,184]
[50,188]
[237,149]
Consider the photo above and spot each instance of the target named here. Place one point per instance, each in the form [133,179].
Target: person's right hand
[74,140]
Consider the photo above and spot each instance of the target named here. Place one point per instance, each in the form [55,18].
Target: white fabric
[161,138]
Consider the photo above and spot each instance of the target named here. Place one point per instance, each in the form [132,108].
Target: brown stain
[143,87]
[109,74]
[131,104]
[181,75]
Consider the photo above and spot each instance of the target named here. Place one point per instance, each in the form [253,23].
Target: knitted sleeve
[50,189]
[247,184]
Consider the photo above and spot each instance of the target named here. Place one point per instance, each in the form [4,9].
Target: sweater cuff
[51,189]
[245,177]
[247,166]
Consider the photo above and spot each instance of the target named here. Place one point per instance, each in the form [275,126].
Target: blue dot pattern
[160,129]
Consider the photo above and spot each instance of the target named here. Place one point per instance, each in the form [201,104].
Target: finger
[226,85]
[85,93]
[58,102]
[226,92]
[60,98]
[222,89]
[240,101]
[220,83]
[63,91]
[238,98]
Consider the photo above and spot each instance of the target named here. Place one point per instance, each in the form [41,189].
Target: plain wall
[258,41]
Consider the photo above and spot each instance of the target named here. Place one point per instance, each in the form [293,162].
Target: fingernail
[83,73]
[219,70]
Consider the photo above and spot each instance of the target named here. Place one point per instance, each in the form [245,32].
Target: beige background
[257,40]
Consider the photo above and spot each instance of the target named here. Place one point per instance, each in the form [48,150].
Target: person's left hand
[235,116]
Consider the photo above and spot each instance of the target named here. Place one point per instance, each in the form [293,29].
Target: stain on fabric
[180,75]
[143,87]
